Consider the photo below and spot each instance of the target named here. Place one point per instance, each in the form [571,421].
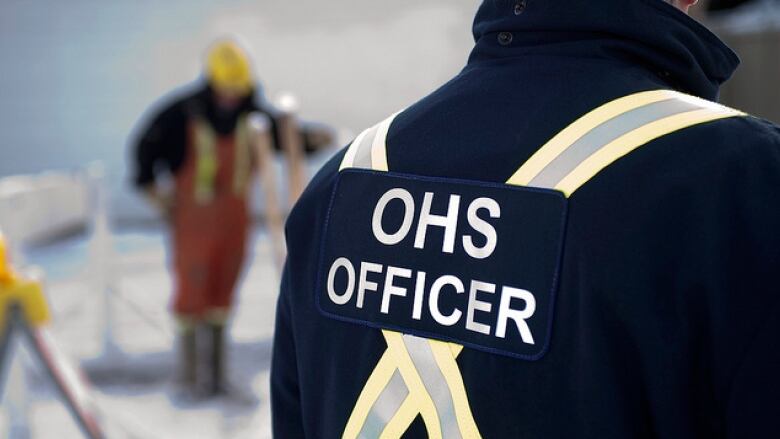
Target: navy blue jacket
[666,320]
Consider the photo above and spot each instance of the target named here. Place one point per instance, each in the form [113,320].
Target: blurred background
[78,79]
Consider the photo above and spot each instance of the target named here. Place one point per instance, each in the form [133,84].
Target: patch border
[420,333]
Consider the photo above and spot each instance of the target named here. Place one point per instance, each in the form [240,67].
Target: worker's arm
[263,145]
[287,417]
[160,145]
[292,147]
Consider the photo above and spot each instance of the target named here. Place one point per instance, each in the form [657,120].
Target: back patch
[461,261]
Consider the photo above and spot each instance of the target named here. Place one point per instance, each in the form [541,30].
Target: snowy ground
[130,363]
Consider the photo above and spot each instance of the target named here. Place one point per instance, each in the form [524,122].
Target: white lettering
[449,222]
[433,300]
[392,290]
[419,291]
[476,304]
[379,210]
[483,227]
[343,298]
[363,283]
[505,312]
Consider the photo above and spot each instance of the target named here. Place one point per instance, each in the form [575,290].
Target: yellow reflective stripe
[379,147]
[579,128]
[633,140]
[349,156]
[378,152]
[417,391]
[445,358]
[377,381]
[205,162]
[408,411]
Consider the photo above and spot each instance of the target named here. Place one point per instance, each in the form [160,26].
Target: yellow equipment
[16,290]
[6,275]
[228,68]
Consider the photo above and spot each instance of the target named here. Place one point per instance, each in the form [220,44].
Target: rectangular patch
[461,261]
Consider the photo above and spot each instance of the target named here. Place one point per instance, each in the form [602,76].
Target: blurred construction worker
[203,140]
[569,239]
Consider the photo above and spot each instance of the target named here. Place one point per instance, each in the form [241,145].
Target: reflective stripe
[402,419]
[377,381]
[349,156]
[611,131]
[385,407]
[379,147]
[445,354]
[633,140]
[434,382]
[363,152]
[417,390]
[580,127]
[603,134]
[206,163]
[368,150]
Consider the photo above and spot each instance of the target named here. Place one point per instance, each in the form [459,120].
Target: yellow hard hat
[6,273]
[228,68]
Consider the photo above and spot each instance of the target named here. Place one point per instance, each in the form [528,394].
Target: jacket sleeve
[161,142]
[754,403]
[753,388]
[287,418]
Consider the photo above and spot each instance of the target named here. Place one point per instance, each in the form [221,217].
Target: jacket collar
[650,33]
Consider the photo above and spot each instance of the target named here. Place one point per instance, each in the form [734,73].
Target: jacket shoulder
[738,152]
[311,208]
[747,134]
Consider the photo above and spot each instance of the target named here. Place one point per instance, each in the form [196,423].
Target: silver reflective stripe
[435,383]
[363,151]
[605,133]
[385,407]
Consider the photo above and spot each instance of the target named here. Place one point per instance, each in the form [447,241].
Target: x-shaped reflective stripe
[415,375]
[421,376]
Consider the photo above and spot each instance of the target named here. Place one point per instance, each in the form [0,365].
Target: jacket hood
[650,33]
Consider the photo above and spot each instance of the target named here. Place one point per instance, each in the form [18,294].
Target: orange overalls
[210,219]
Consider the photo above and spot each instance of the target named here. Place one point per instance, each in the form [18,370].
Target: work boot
[185,386]
[188,358]
[187,376]
[217,385]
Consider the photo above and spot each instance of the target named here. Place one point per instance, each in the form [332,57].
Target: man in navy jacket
[568,239]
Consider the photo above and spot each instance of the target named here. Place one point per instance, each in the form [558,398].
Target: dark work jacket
[666,321]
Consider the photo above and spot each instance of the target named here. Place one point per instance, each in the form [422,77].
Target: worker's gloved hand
[317,136]
[162,201]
